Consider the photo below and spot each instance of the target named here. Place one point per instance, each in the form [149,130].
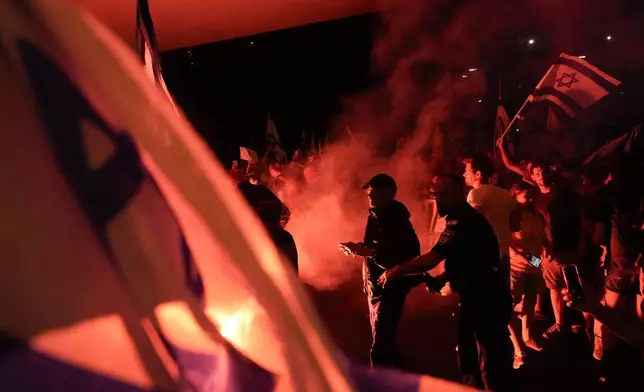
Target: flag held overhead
[573,84]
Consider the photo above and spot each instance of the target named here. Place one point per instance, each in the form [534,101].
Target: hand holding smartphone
[533,260]
[573,282]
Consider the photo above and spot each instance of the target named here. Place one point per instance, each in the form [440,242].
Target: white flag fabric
[248,154]
[128,262]
[573,84]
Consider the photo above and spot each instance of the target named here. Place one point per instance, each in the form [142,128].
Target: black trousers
[385,311]
[485,351]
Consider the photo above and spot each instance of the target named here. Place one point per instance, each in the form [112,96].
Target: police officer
[389,239]
[472,263]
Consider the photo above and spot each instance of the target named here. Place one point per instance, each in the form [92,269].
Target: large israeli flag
[128,262]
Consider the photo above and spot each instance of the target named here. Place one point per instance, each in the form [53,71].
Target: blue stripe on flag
[382,380]
[22,369]
[567,100]
[207,372]
[103,192]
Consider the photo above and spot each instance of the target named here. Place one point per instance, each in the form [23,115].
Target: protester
[596,227]
[628,328]
[625,372]
[276,179]
[623,286]
[493,202]
[270,213]
[559,207]
[255,194]
[524,170]
[526,243]
[472,262]
[389,240]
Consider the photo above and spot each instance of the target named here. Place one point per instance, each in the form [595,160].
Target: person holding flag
[571,86]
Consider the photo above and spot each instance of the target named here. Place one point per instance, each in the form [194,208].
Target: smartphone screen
[573,282]
[534,261]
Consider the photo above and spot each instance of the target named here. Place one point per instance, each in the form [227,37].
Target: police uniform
[472,262]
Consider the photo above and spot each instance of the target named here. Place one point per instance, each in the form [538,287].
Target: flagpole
[516,116]
[497,113]
[529,99]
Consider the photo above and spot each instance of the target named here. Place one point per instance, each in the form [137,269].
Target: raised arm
[506,159]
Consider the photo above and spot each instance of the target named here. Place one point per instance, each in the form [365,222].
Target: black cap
[381,181]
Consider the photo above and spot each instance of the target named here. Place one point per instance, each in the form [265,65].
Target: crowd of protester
[504,248]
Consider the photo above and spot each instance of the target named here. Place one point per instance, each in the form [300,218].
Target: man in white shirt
[496,205]
[493,202]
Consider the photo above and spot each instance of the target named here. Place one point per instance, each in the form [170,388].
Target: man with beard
[389,240]
[471,253]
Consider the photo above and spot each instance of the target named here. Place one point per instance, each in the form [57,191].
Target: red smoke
[423,54]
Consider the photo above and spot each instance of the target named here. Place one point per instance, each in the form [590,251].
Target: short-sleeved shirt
[561,213]
[596,209]
[472,258]
[496,205]
[528,239]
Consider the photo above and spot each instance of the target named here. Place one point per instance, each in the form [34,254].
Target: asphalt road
[427,338]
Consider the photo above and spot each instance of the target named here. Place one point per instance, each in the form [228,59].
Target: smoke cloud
[429,63]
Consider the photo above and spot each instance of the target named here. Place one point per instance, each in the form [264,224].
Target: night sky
[301,76]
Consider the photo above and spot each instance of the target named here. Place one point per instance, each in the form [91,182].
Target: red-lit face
[537,176]
[471,177]
[378,196]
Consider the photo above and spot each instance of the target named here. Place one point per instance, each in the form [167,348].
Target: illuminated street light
[464,76]
[582,57]
[472,69]
[531,41]
[480,100]
[608,38]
